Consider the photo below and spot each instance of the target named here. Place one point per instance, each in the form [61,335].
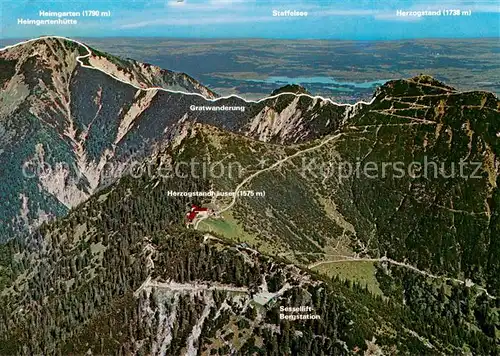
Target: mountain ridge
[294,89]
[121,266]
[120,271]
[90,118]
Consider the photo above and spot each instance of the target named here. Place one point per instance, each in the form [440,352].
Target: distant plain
[338,69]
[346,71]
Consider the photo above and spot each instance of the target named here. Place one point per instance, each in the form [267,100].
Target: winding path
[467,282]
[148,282]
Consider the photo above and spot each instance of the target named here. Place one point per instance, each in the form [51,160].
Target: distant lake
[317,80]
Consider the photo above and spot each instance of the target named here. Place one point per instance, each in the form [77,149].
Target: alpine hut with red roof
[196,212]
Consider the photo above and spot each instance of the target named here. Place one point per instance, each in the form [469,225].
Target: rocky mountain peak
[291,88]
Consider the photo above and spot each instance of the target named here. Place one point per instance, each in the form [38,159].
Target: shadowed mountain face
[413,177]
[66,129]
[122,274]
[406,185]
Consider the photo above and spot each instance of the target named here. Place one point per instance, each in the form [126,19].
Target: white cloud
[484,8]
[177,3]
[228,2]
[391,16]
[208,20]
[207,5]
[347,12]
[207,12]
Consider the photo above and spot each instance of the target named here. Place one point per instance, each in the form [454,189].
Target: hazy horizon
[352,20]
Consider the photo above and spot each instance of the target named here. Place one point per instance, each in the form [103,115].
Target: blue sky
[327,19]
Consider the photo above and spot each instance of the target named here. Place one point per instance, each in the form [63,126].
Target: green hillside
[378,222]
[123,274]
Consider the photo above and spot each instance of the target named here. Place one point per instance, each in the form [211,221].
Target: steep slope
[73,119]
[415,170]
[122,275]
[144,75]
[407,191]
[406,186]
[58,53]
